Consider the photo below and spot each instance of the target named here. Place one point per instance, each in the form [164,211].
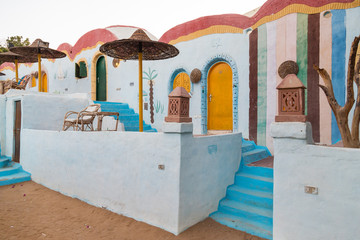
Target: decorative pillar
[179,106]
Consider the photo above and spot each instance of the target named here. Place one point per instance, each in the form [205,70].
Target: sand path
[31,211]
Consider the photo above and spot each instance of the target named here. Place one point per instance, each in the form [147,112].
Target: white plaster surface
[2,123]
[177,127]
[120,171]
[38,111]
[332,214]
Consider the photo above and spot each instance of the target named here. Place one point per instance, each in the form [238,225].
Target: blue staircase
[11,172]
[248,204]
[127,115]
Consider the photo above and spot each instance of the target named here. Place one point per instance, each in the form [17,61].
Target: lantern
[179,106]
[291,100]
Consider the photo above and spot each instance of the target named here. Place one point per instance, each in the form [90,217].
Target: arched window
[81,69]
[182,80]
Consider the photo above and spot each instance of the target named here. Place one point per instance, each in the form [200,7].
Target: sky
[62,21]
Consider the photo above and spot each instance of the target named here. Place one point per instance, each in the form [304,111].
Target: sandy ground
[31,211]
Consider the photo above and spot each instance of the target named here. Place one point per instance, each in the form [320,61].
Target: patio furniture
[101,115]
[13,84]
[81,120]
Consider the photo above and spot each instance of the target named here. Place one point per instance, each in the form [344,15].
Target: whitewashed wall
[122,81]
[334,213]
[38,111]
[2,123]
[120,171]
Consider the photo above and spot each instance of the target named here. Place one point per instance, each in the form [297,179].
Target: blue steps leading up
[127,115]
[248,204]
[11,172]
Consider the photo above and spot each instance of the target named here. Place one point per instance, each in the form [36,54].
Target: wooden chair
[13,84]
[81,120]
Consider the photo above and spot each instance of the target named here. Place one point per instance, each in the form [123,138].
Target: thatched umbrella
[16,58]
[139,46]
[40,50]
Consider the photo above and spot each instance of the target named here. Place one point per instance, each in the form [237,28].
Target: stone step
[254,182]
[21,176]
[247,146]
[112,105]
[244,224]
[260,171]
[254,155]
[253,213]
[130,118]
[250,196]
[4,161]
[11,168]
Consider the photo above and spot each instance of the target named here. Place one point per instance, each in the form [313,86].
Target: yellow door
[220,97]
[182,80]
[44,87]
[33,81]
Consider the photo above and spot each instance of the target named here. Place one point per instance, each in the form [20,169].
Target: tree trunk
[350,139]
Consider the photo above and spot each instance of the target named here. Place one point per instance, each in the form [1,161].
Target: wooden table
[101,115]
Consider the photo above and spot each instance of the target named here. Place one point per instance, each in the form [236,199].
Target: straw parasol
[39,49]
[16,58]
[139,46]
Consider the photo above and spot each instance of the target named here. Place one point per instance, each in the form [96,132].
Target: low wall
[38,111]
[171,180]
[331,213]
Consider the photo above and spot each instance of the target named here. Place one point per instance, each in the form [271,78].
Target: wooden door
[44,84]
[17,129]
[101,79]
[220,97]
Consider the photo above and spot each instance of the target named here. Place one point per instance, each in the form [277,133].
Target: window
[80,69]
[182,80]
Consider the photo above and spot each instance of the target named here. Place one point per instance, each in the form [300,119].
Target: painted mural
[249,50]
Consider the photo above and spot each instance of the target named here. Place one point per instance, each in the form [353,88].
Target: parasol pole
[16,70]
[140,89]
[39,70]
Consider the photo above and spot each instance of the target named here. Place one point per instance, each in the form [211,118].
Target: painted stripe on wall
[290,36]
[352,30]
[312,76]
[280,48]
[325,62]
[301,50]
[253,85]
[271,108]
[262,80]
[338,65]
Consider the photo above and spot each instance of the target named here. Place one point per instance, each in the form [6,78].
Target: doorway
[101,79]
[219,97]
[44,84]
[17,129]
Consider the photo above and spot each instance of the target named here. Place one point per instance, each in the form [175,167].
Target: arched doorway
[44,83]
[219,97]
[101,79]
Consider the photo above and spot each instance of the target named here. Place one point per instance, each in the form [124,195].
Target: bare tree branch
[328,89]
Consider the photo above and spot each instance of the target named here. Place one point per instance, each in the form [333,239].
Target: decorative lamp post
[291,100]
[179,106]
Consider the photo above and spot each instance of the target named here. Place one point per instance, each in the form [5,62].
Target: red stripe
[87,40]
[236,20]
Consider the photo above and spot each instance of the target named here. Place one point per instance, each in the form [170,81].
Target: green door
[101,79]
